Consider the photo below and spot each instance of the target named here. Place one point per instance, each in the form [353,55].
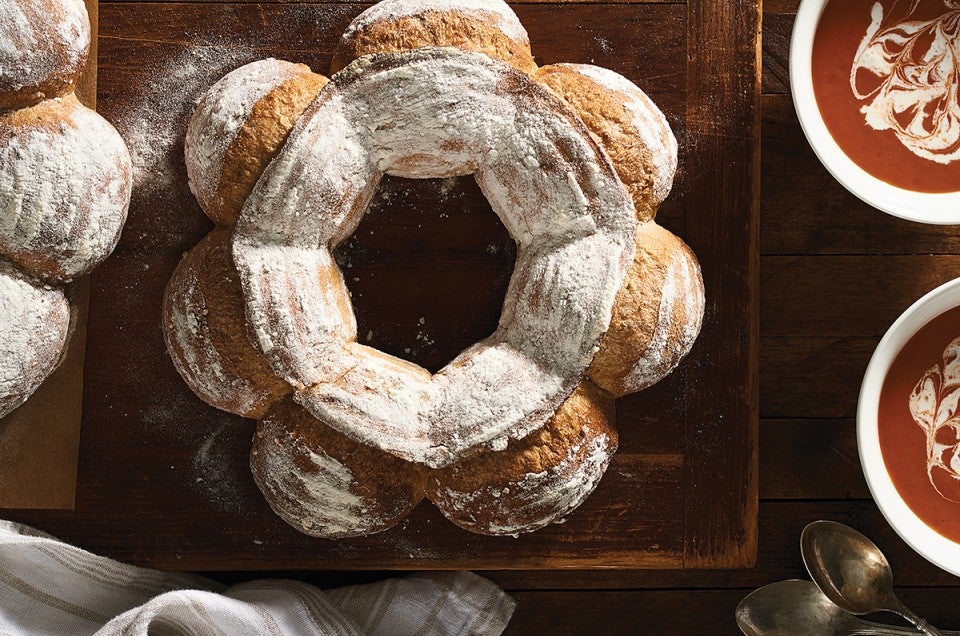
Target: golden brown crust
[535,480]
[647,337]
[259,140]
[54,87]
[433,28]
[48,114]
[206,333]
[325,484]
[605,115]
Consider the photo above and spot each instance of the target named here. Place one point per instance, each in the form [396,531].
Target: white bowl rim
[931,545]
[923,207]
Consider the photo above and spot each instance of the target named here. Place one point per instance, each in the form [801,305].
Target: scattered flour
[156,121]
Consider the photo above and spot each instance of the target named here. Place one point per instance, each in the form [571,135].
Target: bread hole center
[427,268]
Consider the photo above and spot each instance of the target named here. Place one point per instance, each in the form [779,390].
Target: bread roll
[239,126]
[65,180]
[537,480]
[656,318]
[34,324]
[206,333]
[394,26]
[627,124]
[43,49]
[326,485]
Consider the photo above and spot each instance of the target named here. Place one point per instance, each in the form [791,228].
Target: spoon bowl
[853,572]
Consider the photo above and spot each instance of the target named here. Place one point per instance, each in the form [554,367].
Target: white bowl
[933,546]
[914,206]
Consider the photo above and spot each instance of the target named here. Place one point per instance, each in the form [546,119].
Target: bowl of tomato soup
[908,426]
[875,86]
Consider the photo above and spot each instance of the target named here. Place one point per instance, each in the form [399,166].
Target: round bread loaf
[628,125]
[656,318]
[65,180]
[34,324]
[239,126]
[43,48]
[206,332]
[394,26]
[537,480]
[326,485]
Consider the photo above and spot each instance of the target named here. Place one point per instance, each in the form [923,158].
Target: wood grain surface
[809,467]
[164,479]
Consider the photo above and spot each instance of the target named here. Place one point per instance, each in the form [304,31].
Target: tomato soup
[887,84]
[919,424]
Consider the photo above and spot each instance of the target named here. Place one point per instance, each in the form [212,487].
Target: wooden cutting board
[163,478]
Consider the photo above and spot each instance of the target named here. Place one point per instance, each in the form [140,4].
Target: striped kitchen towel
[48,587]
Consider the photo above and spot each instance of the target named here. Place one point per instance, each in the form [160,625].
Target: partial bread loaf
[657,317]
[43,48]
[65,179]
[393,26]
[34,325]
[206,332]
[536,480]
[518,430]
[628,125]
[325,484]
[238,126]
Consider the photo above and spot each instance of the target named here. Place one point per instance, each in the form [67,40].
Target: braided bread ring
[517,431]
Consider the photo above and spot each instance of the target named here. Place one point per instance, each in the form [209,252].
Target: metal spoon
[799,608]
[853,572]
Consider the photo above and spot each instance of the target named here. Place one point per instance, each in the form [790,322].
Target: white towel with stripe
[48,587]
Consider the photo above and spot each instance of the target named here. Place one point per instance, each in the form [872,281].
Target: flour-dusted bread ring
[34,324]
[326,485]
[238,127]
[573,160]
[657,316]
[537,480]
[206,334]
[394,26]
[65,179]
[43,48]
[436,112]
[629,126]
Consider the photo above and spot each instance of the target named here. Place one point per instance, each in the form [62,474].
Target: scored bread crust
[537,480]
[237,128]
[628,125]
[34,326]
[261,137]
[394,26]
[657,316]
[206,334]
[323,483]
[65,180]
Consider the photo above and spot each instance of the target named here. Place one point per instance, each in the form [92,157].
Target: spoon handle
[876,629]
[921,625]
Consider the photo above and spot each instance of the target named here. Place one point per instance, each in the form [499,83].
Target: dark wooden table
[834,274]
